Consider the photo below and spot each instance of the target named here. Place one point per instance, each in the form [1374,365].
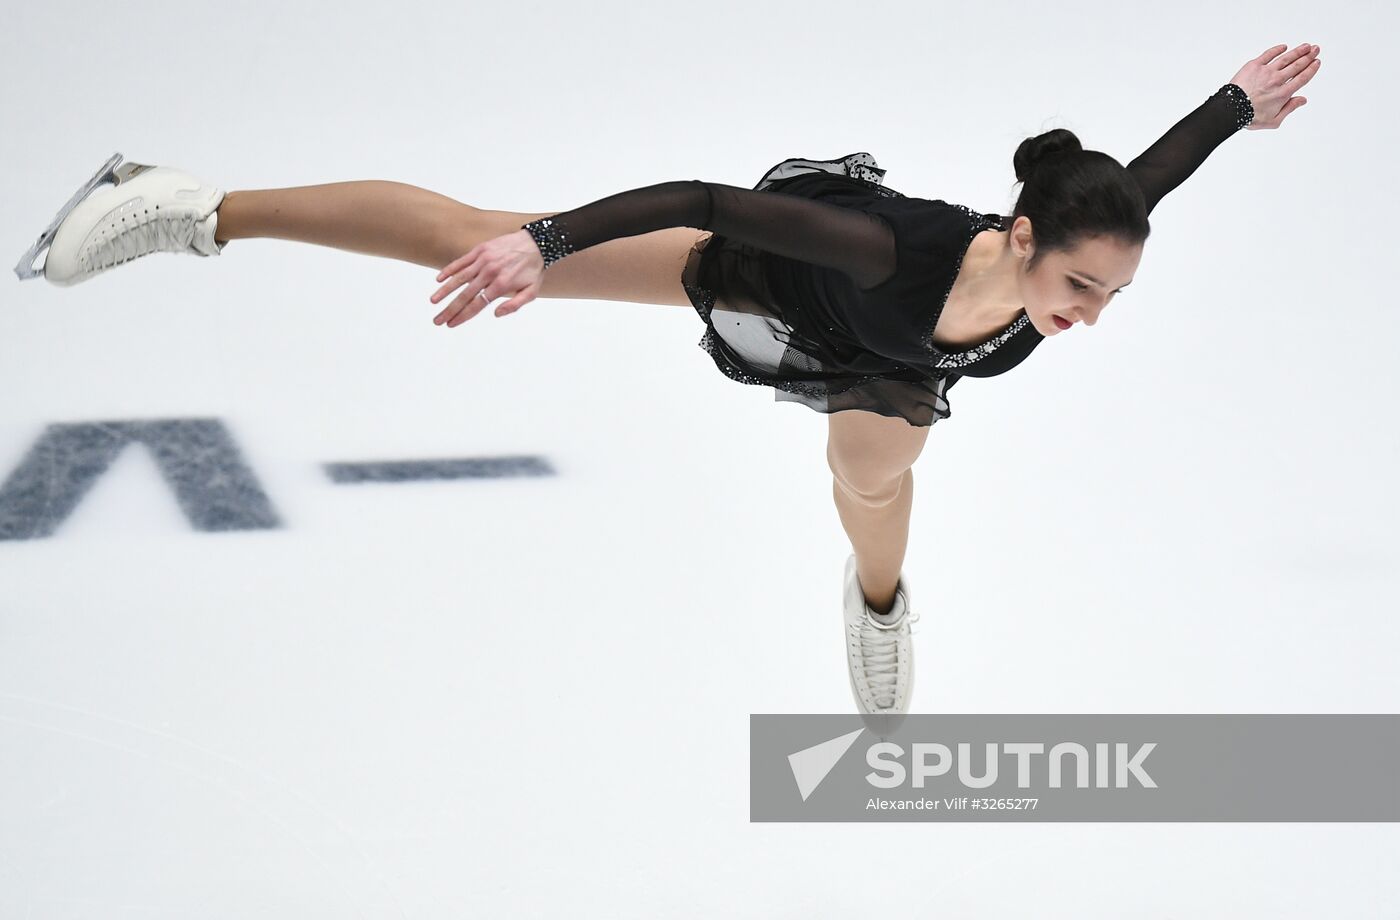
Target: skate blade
[108,173]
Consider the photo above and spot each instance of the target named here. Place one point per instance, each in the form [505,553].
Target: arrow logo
[811,765]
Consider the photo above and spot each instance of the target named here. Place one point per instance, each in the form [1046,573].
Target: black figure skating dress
[826,285]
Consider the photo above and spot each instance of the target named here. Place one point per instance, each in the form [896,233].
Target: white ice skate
[145,209]
[879,654]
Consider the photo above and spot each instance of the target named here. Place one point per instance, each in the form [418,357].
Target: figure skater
[840,293]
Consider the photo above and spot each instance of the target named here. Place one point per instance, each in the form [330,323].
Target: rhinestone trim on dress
[1243,107]
[551,237]
[977,223]
[978,352]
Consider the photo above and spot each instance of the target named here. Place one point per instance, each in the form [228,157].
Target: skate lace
[170,232]
[879,650]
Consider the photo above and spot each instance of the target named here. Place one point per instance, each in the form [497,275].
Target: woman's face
[1076,285]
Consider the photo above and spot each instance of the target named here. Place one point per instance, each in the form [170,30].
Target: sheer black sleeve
[1177,154]
[861,245]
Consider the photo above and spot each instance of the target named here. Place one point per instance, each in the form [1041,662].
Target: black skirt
[776,322]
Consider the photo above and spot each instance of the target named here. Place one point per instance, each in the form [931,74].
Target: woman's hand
[507,266]
[1271,79]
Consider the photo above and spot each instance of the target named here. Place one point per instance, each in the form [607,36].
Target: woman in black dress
[840,293]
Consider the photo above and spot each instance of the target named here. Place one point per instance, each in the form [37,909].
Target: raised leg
[375,217]
[398,221]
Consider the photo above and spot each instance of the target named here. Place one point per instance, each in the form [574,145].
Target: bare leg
[398,221]
[878,527]
[375,217]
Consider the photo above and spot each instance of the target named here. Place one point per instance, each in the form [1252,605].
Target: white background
[530,697]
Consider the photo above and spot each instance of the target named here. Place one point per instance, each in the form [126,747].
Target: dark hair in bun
[1071,194]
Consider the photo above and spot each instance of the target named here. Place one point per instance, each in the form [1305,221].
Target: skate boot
[145,209]
[879,654]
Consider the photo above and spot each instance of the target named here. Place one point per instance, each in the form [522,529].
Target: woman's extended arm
[861,245]
[1259,96]
[799,228]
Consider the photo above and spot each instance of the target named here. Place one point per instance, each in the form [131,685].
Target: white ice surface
[530,697]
